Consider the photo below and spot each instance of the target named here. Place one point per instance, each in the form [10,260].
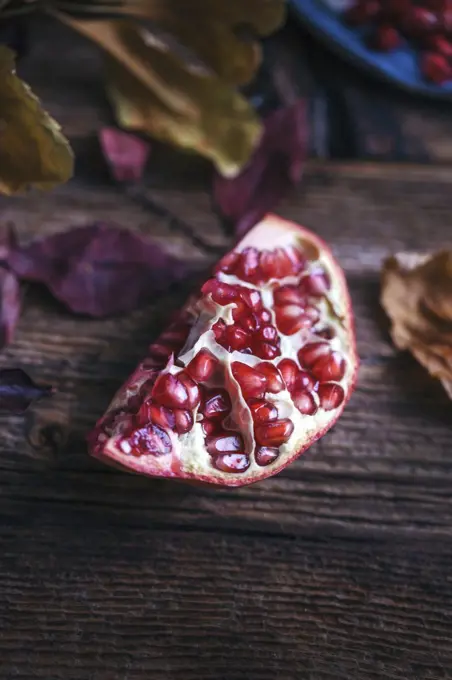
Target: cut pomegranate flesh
[236,405]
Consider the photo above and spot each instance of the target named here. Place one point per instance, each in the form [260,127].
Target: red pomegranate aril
[227,441]
[435,67]
[264,350]
[249,264]
[385,38]
[222,293]
[309,353]
[202,367]
[251,381]
[304,381]
[228,263]
[267,334]
[305,403]
[184,420]
[329,367]
[264,316]
[211,427]
[216,404]
[232,462]
[150,440]
[265,455]
[287,295]
[193,391]
[330,395]
[236,338]
[316,284]
[251,297]
[218,329]
[162,416]
[249,322]
[275,433]
[263,411]
[170,391]
[275,382]
[292,318]
[289,371]
[363,12]
[440,44]
[418,22]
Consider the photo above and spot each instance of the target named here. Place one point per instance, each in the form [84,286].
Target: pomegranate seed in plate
[216,404]
[274,433]
[232,462]
[265,455]
[331,396]
[202,366]
[435,67]
[385,38]
[227,441]
[439,44]
[263,411]
[251,381]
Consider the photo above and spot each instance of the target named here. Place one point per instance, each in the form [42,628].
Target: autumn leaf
[156,92]
[417,296]
[33,152]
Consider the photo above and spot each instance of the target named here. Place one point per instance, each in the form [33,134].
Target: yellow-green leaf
[155,92]
[33,152]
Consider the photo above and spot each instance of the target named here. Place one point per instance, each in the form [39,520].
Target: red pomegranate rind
[256,368]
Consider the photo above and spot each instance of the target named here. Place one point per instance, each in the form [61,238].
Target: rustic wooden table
[339,568]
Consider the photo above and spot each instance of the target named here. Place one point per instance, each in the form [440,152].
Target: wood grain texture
[339,568]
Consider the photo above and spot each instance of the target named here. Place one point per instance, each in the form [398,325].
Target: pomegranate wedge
[256,367]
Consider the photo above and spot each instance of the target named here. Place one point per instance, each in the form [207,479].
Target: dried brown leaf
[417,296]
[33,152]
[155,92]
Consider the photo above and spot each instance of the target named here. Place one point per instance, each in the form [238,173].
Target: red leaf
[98,270]
[276,165]
[125,154]
[17,390]
[10,305]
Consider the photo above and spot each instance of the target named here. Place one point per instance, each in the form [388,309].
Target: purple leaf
[10,305]
[275,166]
[99,270]
[125,154]
[18,391]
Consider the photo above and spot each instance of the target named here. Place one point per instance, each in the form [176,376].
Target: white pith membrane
[189,457]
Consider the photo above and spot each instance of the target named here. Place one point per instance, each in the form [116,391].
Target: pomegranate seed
[264,316]
[232,462]
[311,352]
[292,318]
[222,293]
[211,427]
[284,264]
[251,297]
[289,371]
[248,322]
[225,442]
[440,44]
[267,334]
[418,22]
[304,381]
[228,263]
[275,382]
[184,420]
[170,391]
[265,455]
[251,381]
[193,391]
[218,330]
[363,12]
[264,350]
[316,284]
[202,366]
[216,404]
[236,338]
[305,403]
[385,38]
[435,67]
[249,264]
[329,367]
[160,415]
[331,396]
[297,259]
[147,440]
[275,433]
[288,294]
[263,411]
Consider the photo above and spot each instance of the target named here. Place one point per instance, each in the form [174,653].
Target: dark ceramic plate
[400,67]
